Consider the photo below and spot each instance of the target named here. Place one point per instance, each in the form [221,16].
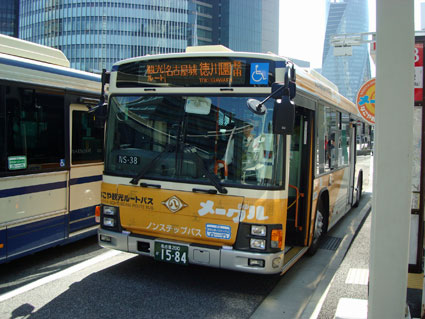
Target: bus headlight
[257,243]
[258,230]
[109,210]
[108,222]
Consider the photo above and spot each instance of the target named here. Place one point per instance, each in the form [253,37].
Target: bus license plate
[172,253]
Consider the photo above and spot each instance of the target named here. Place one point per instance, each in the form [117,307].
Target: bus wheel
[359,190]
[319,230]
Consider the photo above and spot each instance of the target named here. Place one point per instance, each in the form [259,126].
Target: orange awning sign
[366,101]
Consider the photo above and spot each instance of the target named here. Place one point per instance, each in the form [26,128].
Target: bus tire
[319,228]
[359,189]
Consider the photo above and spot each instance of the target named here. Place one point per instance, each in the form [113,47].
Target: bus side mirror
[100,116]
[283,115]
[101,109]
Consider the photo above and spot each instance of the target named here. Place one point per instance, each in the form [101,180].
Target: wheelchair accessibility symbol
[259,73]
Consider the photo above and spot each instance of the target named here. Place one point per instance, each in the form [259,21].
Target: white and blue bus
[51,149]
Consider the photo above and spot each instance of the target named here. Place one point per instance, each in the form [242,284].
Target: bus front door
[300,176]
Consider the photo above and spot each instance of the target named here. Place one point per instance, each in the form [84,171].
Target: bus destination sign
[195,72]
[205,72]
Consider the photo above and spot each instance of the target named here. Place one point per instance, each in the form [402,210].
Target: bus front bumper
[218,257]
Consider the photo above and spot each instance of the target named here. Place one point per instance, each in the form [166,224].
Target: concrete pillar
[392,159]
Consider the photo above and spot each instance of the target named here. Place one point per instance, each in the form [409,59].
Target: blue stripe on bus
[31,189]
[48,69]
[2,244]
[81,218]
[87,179]
[35,235]
[81,213]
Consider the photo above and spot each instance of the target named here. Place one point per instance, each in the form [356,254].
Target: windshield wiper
[150,165]
[213,178]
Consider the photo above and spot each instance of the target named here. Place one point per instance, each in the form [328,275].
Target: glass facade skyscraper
[251,26]
[347,72]
[9,17]
[94,34]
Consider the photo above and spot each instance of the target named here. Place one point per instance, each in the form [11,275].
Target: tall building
[347,72]
[204,23]
[95,34]
[9,17]
[242,25]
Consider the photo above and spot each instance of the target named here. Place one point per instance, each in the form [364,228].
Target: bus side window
[29,117]
[87,138]
[321,140]
[332,138]
[2,129]
[345,140]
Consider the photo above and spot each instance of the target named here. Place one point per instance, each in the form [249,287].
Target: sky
[302,28]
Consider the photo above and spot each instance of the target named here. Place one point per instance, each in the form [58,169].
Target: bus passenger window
[345,140]
[331,137]
[29,117]
[321,141]
[2,137]
[87,139]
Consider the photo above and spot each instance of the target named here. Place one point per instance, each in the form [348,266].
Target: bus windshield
[163,138]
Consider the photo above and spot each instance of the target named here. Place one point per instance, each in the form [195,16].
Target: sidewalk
[348,292]
[347,295]
[334,282]
[304,289]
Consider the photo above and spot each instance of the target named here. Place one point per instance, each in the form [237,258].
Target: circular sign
[365,101]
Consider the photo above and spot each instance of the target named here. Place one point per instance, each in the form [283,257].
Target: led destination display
[195,72]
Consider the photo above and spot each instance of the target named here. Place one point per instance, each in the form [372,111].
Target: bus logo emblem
[174,204]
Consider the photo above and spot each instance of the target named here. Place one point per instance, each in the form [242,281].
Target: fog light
[258,243]
[105,238]
[258,230]
[276,263]
[256,262]
[108,222]
[109,210]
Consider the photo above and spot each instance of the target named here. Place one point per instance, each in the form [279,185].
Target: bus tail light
[276,238]
[97,214]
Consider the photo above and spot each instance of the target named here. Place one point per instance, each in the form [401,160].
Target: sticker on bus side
[16,162]
[218,231]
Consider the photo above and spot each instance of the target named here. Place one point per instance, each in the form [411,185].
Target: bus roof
[33,51]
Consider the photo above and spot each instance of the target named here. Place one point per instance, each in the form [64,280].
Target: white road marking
[357,276]
[351,309]
[59,274]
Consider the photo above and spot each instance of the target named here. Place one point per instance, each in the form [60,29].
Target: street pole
[392,159]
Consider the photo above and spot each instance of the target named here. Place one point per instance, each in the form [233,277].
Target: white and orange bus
[224,159]
[51,149]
